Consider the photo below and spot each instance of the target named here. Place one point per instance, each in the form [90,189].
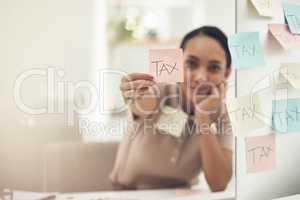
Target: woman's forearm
[216,162]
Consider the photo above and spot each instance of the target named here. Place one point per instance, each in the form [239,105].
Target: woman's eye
[214,68]
[191,64]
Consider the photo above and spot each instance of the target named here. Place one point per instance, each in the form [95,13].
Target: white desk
[165,194]
[294,197]
[171,194]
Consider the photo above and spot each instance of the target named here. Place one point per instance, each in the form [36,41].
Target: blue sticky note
[292,15]
[286,115]
[246,50]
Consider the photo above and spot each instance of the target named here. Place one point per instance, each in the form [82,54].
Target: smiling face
[204,62]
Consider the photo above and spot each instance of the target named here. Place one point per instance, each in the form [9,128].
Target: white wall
[220,14]
[284,179]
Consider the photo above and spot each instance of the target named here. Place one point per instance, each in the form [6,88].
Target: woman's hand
[134,85]
[139,93]
[216,161]
[209,103]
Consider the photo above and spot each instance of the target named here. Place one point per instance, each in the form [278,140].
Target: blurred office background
[56,48]
[81,38]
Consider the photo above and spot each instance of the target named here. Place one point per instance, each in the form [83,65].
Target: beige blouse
[148,158]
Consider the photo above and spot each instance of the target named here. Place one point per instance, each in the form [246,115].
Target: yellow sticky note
[265,8]
[291,72]
[243,115]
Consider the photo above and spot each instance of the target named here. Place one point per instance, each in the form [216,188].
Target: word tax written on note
[260,153]
[286,115]
[292,16]
[246,50]
[166,65]
[291,72]
[242,112]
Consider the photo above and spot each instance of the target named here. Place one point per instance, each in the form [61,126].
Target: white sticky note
[172,121]
[265,8]
[291,72]
[243,113]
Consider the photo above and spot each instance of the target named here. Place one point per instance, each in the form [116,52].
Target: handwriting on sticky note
[243,115]
[245,112]
[161,66]
[264,7]
[283,35]
[166,65]
[246,50]
[286,115]
[291,72]
[260,153]
[292,15]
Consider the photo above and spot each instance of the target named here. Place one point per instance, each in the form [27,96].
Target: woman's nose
[200,76]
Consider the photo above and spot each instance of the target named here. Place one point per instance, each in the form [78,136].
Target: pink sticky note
[166,65]
[286,39]
[260,153]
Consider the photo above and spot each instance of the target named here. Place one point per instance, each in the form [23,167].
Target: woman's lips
[203,89]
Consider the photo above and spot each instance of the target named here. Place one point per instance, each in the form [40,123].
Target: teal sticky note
[246,50]
[286,115]
[292,15]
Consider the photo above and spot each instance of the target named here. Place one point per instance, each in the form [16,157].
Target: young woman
[149,157]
